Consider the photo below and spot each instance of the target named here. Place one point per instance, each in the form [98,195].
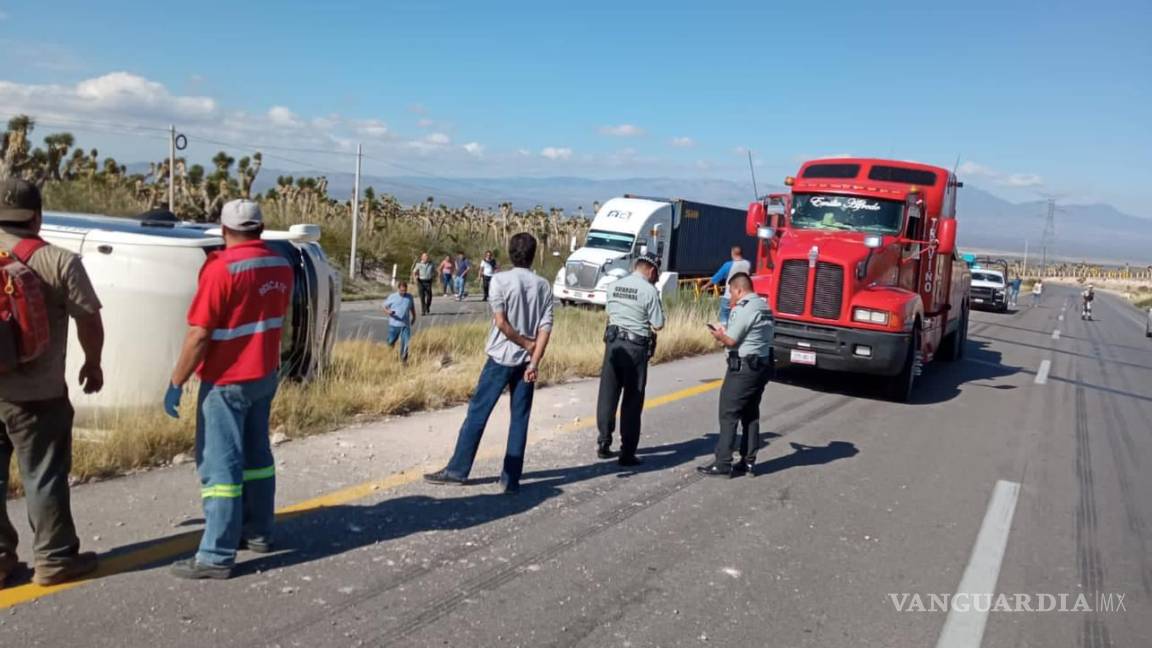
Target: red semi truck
[859,263]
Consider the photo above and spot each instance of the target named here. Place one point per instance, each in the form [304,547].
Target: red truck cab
[859,264]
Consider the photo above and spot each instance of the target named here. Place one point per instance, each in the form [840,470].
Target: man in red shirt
[233,345]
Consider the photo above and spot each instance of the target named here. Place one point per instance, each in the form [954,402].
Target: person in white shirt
[487,269]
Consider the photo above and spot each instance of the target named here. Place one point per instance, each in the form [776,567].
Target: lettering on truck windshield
[602,240]
[847,213]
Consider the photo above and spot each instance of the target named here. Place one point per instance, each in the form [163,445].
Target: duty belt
[615,332]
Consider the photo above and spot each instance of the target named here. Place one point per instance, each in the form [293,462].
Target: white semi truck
[692,240]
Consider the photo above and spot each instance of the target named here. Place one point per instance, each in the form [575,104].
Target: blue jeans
[493,379]
[725,309]
[402,333]
[460,283]
[446,279]
[237,471]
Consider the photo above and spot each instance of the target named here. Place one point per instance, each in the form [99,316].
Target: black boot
[715,470]
[604,451]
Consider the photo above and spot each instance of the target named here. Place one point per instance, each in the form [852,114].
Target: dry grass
[367,381]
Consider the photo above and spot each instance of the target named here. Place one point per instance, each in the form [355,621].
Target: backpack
[24,329]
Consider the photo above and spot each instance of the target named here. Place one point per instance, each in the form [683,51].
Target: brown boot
[66,570]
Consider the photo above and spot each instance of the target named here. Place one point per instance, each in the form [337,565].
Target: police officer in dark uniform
[749,343]
[634,315]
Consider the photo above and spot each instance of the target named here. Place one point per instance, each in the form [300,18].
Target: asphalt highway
[1022,470]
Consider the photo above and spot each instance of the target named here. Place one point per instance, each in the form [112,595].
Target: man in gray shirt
[521,305]
[634,315]
[424,271]
[749,343]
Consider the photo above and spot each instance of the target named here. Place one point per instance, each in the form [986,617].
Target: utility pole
[355,212]
[1049,233]
[1025,272]
[172,168]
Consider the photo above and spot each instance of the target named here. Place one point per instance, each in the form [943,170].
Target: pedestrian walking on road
[401,316]
[1014,292]
[424,273]
[635,314]
[35,411]
[1037,292]
[463,268]
[488,268]
[447,272]
[521,304]
[748,339]
[233,345]
[724,274]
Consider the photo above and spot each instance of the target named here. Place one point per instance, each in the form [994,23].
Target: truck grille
[828,296]
[793,287]
[982,291]
[586,274]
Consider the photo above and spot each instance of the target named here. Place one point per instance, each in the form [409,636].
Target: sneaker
[256,545]
[70,569]
[192,570]
[443,478]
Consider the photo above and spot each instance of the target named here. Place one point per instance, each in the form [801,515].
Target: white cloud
[683,142]
[424,122]
[373,128]
[439,139]
[1022,180]
[556,153]
[281,116]
[622,130]
[474,149]
[118,94]
[1012,180]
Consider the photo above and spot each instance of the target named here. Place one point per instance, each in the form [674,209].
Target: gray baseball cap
[20,201]
[241,215]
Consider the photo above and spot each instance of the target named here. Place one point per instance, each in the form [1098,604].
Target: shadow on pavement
[331,531]
[940,381]
[806,455]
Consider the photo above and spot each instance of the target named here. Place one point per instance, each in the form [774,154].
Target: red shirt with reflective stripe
[243,301]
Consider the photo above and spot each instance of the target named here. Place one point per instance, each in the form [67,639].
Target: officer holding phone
[634,315]
[749,343]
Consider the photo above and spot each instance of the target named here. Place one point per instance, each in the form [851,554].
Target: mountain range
[1099,232]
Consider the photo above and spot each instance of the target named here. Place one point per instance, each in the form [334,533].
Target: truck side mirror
[756,218]
[946,237]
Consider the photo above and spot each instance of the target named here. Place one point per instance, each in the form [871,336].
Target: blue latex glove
[172,400]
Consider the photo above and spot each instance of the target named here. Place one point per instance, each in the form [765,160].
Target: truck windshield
[609,241]
[988,277]
[847,213]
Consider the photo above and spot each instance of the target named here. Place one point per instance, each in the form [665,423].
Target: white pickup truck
[145,273]
[989,289]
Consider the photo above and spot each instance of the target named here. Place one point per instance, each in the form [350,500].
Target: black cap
[19,201]
[649,258]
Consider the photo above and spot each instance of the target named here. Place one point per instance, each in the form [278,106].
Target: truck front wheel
[900,386]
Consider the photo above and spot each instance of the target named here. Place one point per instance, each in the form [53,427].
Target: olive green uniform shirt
[751,325]
[69,294]
[634,305]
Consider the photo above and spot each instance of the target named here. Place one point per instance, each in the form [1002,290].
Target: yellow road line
[187,542]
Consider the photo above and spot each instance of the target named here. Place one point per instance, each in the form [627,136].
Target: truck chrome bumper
[841,349]
[564,293]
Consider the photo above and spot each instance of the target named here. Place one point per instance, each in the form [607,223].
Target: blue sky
[1033,100]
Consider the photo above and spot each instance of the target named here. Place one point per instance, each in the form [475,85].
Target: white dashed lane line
[964,627]
[1042,372]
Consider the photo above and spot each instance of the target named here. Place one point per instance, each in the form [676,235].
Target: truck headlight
[999,292]
[869,316]
[571,279]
